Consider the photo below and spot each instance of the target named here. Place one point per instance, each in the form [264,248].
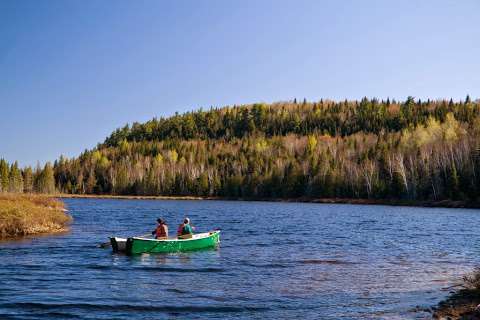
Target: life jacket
[180,229]
[160,232]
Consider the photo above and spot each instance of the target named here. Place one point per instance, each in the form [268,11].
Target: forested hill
[415,150]
[280,119]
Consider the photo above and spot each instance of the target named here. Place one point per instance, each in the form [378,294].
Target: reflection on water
[275,260]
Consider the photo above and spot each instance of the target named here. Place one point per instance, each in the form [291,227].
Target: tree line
[416,150]
[16,180]
[280,119]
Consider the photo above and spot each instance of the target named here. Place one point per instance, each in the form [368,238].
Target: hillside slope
[366,149]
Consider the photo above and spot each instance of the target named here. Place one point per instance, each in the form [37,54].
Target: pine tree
[16,179]
[467,99]
[4,176]
[45,180]
[28,180]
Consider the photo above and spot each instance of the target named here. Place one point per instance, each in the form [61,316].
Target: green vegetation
[14,180]
[368,149]
[22,215]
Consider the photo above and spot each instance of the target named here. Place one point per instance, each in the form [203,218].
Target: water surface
[276,260]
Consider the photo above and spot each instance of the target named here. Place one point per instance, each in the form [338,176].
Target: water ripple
[275,261]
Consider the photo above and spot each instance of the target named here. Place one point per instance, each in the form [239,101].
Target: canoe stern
[118,244]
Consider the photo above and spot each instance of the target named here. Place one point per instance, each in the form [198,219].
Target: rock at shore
[463,304]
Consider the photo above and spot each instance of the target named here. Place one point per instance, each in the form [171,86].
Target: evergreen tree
[45,180]
[4,176]
[16,179]
[467,99]
[28,180]
[453,183]
[203,186]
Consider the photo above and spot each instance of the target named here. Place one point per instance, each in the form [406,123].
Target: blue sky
[73,71]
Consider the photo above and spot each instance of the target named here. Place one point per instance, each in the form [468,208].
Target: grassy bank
[26,214]
[463,303]
[392,202]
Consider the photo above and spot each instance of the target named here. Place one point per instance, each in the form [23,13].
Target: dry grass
[464,303]
[26,214]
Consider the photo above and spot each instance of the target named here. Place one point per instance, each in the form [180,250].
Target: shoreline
[463,303]
[389,202]
[459,305]
[37,232]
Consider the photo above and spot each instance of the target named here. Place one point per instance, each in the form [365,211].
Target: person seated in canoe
[161,232]
[185,229]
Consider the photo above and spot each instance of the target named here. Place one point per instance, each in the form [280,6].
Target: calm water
[276,260]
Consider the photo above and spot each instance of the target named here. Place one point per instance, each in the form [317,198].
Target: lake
[275,260]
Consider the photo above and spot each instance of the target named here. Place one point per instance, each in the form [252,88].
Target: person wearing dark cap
[161,232]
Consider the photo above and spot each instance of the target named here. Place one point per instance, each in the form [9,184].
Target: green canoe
[197,241]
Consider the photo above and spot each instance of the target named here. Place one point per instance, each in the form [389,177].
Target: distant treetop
[283,118]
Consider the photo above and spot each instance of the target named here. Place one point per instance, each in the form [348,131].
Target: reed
[27,214]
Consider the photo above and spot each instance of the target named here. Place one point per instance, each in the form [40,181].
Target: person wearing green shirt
[185,228]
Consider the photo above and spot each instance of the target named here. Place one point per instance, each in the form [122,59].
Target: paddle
[108,244]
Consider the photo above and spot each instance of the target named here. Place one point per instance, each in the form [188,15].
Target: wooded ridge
[368,149]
